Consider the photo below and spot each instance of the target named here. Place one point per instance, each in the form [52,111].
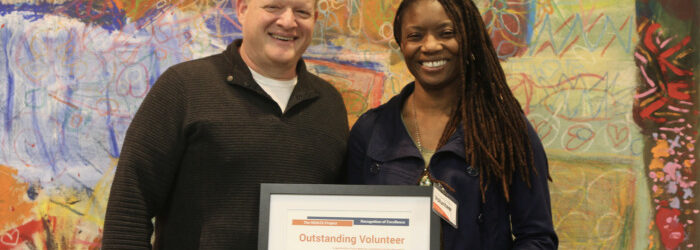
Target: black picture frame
[269,189]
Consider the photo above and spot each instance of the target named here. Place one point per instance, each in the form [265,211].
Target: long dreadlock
[495,133]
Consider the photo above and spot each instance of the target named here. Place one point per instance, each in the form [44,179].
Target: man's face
[275,32]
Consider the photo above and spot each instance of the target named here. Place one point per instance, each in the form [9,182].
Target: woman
[460,126]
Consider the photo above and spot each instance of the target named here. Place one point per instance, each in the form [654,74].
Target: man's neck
[272,71]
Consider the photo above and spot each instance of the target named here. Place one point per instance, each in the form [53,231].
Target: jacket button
[471,171]
[480,218]
[374,169]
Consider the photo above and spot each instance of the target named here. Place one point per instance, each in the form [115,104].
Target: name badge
[444,205]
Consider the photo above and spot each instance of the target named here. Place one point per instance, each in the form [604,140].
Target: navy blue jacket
[380,151]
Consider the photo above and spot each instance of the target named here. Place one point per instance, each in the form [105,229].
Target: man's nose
[287,19]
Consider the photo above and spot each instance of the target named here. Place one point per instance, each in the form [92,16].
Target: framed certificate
[320,216]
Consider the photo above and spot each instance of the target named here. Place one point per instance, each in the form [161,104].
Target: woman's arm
[530,207]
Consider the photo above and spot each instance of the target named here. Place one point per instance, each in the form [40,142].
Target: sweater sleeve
[530,207]
[149,159]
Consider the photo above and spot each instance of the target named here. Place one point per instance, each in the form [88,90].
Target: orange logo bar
[332,223]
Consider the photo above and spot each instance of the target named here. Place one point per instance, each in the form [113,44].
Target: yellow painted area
[79,216]
[592,203]
[74,217]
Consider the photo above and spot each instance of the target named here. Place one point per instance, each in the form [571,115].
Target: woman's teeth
[434,64]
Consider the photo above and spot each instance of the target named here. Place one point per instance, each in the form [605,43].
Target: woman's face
[429,44]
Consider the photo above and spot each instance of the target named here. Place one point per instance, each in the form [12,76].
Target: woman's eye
[413,36]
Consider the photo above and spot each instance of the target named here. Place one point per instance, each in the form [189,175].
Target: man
[211,130]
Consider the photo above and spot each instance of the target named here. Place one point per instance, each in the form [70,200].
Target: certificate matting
[320,216]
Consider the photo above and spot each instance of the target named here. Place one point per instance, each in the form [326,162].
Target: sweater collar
[391,140]
[239,75]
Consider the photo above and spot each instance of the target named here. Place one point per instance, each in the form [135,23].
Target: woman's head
[429,44]
[495,131]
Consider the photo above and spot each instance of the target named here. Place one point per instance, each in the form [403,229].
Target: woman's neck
[442,100]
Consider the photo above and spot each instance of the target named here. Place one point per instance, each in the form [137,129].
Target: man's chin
[283,58]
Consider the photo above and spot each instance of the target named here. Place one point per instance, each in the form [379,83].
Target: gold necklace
[425,177]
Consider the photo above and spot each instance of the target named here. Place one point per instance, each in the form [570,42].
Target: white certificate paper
[308,222]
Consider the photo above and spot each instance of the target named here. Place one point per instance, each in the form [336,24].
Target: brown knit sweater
[201,143]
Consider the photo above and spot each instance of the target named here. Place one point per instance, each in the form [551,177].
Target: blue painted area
[70,56]
[32,193]
[5,36]
[113,145]
[531,20]
[31,12]
[41,145]
[221,25]
[576,28]
[111,19]
[363,64]
[154,71]
[67,112]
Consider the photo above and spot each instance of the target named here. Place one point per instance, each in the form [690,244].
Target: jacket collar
[240,76]
[390,139]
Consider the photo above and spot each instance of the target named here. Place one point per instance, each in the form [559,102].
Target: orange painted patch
[14,205]
[661,149]
[656,163]
[136,10]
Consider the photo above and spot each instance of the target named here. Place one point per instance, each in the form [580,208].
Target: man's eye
[303,13]
[271,7]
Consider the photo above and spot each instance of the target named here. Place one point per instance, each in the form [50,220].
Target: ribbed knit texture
[199,147]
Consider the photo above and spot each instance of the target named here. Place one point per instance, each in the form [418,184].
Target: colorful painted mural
[609,85]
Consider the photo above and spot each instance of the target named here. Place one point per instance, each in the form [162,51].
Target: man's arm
[150,156]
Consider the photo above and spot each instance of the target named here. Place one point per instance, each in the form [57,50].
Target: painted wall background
[609,85]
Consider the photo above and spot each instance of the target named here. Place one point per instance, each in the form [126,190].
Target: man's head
[275,34]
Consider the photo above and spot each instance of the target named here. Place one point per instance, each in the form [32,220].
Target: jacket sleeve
[530,207]
[147,165]
[357,148]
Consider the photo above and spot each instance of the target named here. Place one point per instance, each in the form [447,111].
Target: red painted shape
[656,105]
[19,235]
[648,40]
[576,140]
[507,24]
[568,47]
[617,135]
[674,90]
[670,228]
[665,64]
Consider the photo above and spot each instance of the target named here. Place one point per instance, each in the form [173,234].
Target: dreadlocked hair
[496,140]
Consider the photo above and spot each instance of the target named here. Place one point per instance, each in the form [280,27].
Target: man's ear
[241,8]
